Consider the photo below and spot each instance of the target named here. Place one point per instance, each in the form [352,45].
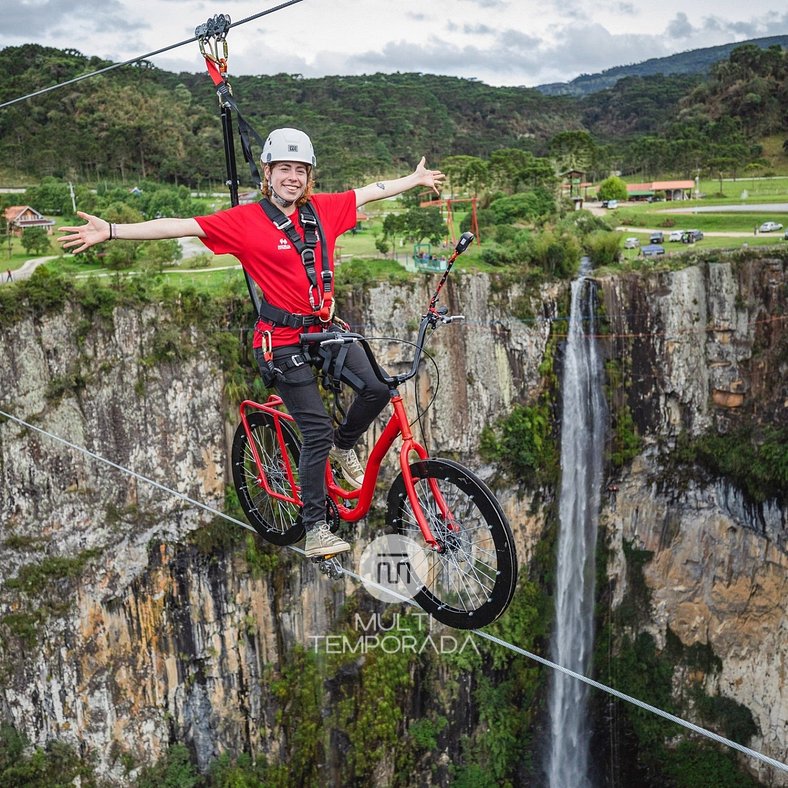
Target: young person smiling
[261,236]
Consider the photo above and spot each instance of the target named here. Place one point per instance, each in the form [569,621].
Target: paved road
[27,269]
[189,246]
[766,207]
[712,234]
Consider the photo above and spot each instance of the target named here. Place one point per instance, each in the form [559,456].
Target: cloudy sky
[500,42]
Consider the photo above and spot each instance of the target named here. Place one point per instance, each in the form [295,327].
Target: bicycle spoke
[469,582]
[275,519]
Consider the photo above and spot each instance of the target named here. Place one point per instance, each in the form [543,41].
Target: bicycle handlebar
[433,317]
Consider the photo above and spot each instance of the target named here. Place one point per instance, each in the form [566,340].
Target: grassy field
[635,219]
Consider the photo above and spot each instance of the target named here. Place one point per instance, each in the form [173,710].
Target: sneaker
[349,465]
[321,542]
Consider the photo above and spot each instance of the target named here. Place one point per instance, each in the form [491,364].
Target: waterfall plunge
[582,447]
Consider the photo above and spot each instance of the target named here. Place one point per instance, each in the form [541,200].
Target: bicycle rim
[471,580]
[276,521]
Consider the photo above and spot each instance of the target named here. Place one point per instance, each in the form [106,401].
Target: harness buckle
[284,226]
[308,257]
[297,360]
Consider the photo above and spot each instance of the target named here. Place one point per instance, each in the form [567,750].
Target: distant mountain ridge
[695,61]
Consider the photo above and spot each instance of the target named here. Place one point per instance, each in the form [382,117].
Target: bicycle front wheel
[470,581]
[275,520]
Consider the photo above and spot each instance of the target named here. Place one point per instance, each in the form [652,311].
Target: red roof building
[674,190]
[20,217]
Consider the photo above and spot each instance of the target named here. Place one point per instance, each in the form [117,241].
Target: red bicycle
[468,548]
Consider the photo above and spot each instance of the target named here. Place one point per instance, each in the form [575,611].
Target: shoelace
[353,463]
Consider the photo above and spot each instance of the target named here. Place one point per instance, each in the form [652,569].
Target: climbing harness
[321,289]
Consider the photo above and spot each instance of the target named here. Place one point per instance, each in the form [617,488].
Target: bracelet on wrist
[112,232]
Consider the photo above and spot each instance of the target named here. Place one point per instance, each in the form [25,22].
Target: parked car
[690,236]
[769,227]
[675,235]
[611,204]
[631,243]
[657,237]
[652,250]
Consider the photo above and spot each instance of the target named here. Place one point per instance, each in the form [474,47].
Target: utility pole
[73,200]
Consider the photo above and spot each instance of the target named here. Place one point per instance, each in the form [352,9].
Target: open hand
[431,178]
[77,239]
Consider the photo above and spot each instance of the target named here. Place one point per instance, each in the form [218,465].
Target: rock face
[706,347]
[143,639]
[122,632]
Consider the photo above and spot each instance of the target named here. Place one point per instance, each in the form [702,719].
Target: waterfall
[582,447]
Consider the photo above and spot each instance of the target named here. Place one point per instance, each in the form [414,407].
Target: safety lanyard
[321,289]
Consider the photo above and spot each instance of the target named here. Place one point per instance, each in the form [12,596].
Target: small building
[20,217]
[673,190]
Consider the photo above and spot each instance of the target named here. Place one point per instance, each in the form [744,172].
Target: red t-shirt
[269,257]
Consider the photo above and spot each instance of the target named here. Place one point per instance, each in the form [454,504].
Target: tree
[533,206]
[382,245]
[612,188]
[420,223]
[35,240]
[121,254]
[572,150]
[156,254]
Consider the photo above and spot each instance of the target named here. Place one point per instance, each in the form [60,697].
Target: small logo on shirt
[284,244]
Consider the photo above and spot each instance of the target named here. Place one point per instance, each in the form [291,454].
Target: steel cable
[478,632]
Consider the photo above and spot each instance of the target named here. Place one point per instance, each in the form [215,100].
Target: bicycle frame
[397,426]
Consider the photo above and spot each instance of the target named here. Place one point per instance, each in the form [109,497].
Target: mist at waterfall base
[584,416]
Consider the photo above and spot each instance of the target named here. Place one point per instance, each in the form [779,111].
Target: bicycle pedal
[329,565]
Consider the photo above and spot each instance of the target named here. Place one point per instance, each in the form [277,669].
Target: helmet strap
[277,199]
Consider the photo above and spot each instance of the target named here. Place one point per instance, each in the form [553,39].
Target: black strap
[275,316]
[245,131]
[322,289]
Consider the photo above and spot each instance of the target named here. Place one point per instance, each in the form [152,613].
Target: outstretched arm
[421,176]
[77,239]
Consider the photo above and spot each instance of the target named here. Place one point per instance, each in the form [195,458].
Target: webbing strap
[245,131]
[321,291]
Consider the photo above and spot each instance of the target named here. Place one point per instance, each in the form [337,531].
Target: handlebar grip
[330,336]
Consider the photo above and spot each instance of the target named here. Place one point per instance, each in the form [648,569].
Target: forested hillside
[142,122]
[697,62]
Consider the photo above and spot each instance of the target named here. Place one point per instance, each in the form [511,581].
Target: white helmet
[288,145]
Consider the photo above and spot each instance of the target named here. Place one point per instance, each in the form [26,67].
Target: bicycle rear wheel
[276,521]
[470,581]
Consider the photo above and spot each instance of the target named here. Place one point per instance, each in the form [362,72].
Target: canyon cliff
[132,619]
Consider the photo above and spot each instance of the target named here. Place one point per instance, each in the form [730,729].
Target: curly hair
[304,198]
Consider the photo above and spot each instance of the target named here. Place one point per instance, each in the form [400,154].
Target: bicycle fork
[409,445]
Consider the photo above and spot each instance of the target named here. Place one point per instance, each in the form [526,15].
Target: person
[9,277]
[292,304]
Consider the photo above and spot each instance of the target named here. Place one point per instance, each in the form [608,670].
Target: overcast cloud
[501,42]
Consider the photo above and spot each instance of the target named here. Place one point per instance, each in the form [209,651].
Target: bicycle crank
[329,566]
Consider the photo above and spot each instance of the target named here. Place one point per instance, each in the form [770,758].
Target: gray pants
[300,393]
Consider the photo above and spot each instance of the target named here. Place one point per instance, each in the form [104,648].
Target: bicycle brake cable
[427,355]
